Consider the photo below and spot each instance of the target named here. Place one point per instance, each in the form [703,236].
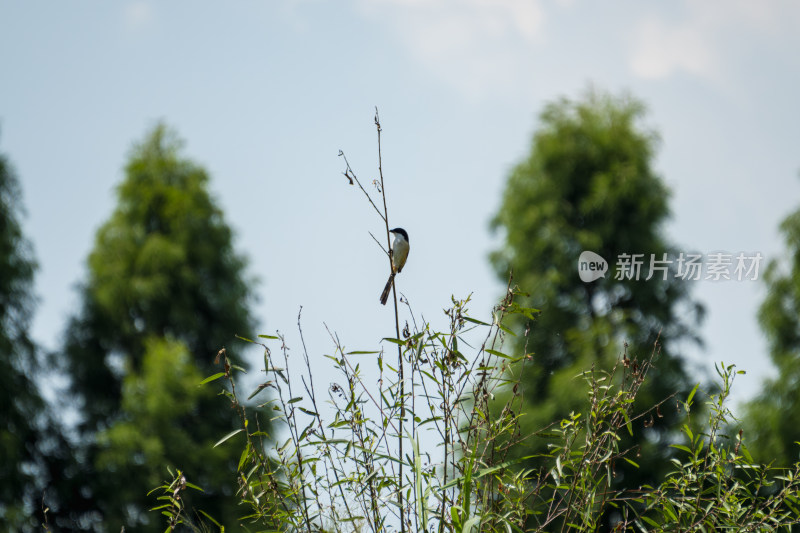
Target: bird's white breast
[399,252]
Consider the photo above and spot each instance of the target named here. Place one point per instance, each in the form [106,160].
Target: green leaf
[421,504]
[691,394]
[506,330]
[228,436]
[308,412]
[209,517]
[631,462]
[243,458]
[258,389]
[215,377]
[475,522]
[627,422]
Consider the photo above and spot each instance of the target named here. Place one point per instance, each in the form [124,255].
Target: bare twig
[352,177]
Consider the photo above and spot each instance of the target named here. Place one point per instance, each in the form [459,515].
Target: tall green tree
[165,291]
[588,184]
[21,406]
[772,419]
[38,460]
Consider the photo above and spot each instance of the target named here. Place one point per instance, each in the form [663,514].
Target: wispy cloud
[662,49]
[698,40]
[469,43]
[138,14]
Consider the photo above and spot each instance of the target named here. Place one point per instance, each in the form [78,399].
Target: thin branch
[349,174]
[312,395]
[378,242]
[363,387]
[397,330]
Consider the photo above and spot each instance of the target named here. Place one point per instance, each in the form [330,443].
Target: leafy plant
[424,443]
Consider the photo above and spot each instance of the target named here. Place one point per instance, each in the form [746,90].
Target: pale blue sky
[266,93]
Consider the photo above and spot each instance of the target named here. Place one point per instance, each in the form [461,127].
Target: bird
[399,255]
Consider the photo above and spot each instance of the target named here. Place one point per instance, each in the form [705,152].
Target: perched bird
[399,256]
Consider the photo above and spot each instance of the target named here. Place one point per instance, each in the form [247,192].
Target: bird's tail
[386,289]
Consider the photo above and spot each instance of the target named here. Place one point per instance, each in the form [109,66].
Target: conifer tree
[772,419]
[21,406]
[588,184]
[165,291]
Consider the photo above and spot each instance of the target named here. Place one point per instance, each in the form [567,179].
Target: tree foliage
[163,264]
[589,185]
[165,290]
[773,418]
[21,406]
